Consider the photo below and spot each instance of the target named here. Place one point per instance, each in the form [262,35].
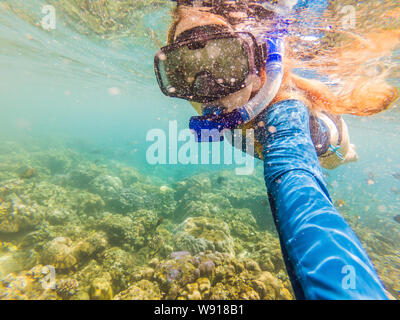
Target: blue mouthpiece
[209,128]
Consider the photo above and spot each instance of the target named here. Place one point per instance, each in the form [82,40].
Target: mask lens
[229,62]
[224,60]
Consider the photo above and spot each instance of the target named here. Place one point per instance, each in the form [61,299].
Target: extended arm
[323,256]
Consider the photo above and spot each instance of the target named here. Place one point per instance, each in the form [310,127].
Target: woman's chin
[237,99]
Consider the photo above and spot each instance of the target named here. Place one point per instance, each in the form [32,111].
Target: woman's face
[198,18]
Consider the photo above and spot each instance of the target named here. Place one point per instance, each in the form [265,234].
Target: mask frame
[193,37]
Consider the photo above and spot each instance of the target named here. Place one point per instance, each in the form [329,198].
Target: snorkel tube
[247,112]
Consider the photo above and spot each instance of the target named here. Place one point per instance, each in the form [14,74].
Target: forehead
[192,19]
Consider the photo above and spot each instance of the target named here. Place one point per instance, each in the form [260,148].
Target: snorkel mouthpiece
[209,128]
[219,122]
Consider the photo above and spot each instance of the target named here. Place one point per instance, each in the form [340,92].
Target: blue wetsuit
[323,256]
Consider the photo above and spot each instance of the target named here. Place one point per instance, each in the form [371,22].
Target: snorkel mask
[207,63]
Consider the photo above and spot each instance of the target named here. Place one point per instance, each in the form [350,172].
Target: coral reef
[130,231]
[100,288]
[66,288]
[200,234]
[30,285]
[16,215]
[141,290]
[208,276]
[59,253]
[27,172]
[83,175]
[108,187]
[108,232]
[120,265]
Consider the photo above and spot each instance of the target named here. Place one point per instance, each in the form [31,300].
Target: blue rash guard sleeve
[323,256]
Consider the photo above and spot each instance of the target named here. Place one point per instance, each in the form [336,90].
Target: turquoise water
[92,101]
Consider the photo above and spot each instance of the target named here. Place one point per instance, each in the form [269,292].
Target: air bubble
[162,56]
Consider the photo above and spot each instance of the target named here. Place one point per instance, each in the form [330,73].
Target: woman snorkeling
[228,59]
[191,23]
